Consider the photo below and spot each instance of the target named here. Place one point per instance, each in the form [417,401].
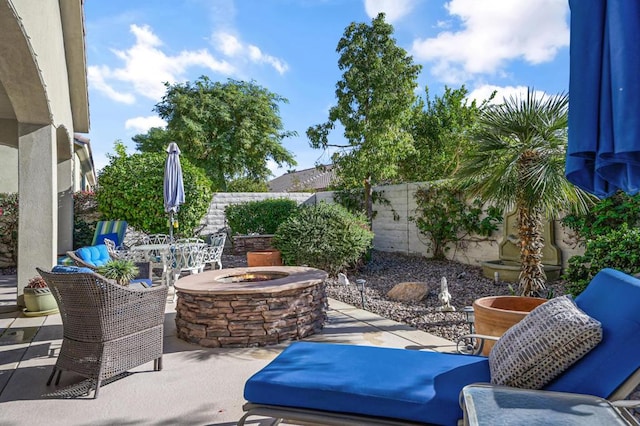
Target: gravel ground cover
[385,270]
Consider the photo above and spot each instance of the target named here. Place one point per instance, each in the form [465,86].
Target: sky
[289,48]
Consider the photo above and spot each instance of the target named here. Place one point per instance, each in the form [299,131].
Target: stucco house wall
[43,101]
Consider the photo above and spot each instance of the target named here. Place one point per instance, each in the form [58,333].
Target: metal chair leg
[53,373]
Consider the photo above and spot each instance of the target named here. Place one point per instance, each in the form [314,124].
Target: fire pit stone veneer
[242,307]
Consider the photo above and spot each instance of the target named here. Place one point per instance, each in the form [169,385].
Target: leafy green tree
[228,129]
[374,105]
[519,162]
[131,188]
[247,185]
[441,132]
[155,140]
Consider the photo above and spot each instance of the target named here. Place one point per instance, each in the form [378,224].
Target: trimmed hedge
[324,236]
[259,217]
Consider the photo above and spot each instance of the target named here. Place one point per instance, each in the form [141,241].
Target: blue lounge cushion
[94,255]
[108,226]
[412,385]
[111,236]
[65,269]
[613,298]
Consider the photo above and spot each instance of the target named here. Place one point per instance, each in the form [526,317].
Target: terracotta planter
[496,314]
[264,258]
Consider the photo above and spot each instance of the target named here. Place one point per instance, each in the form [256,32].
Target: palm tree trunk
[532,276]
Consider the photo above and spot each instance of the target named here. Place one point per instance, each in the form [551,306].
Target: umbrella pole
[171,227]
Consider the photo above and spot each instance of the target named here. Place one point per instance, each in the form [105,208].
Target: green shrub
[261,217]
[85,217]
[444,218]
[619,249]
[82,232]
[324,236]
[605,216]
[131,188]
[9,224]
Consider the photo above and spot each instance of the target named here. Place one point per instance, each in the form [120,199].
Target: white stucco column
[65,206]
[37,188]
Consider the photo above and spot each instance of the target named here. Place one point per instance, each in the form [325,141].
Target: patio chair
[114,230]
[93,257]
[346,384]
[107,328]
[155,256]
[184,257]
[122,253]
[212,253]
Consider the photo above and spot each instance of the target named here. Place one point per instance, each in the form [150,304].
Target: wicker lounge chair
[108,328]
[336,384]
[94,256]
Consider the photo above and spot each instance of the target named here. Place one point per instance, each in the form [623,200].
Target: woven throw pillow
[543,344]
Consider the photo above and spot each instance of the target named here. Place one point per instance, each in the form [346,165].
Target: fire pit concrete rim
[208,282]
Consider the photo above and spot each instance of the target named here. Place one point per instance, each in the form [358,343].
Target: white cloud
[232,47]
[483,92]
[96,76]
[143,124]
[147,67]
[393,9]
[228,44]
[492,33]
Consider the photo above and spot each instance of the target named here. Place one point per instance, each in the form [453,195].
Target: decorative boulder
[409,292]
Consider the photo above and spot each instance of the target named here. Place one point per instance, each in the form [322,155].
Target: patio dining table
[157,253]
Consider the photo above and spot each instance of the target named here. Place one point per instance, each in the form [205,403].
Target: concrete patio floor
[197,386]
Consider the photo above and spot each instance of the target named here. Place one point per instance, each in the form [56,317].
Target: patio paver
[197,386]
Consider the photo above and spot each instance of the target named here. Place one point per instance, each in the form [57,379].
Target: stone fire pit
[240,307]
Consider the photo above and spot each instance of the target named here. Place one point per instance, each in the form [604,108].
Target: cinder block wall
[215,220]
[394,231]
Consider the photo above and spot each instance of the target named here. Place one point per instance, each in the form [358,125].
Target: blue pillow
[112,236]
[94,255]
[64,269]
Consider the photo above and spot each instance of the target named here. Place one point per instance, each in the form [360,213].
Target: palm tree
[519,162]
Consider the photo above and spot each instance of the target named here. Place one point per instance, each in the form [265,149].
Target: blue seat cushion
[94,255]
[613,298]
[398,383]
[64,269]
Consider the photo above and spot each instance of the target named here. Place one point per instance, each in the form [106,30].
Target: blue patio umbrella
[603,153]
[173,185]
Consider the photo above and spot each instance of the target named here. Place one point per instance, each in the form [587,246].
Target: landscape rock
[409,291]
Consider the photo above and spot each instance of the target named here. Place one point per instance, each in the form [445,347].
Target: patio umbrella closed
[603,153]
[173,185]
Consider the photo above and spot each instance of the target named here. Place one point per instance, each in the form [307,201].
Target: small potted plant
[38,298]
[120,270]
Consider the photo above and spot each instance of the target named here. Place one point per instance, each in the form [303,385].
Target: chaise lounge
[593,351]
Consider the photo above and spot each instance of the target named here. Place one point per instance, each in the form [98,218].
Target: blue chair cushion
[613,298]
[65,260]
[412,385]
[70,269]
[111,236]
[94,255]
